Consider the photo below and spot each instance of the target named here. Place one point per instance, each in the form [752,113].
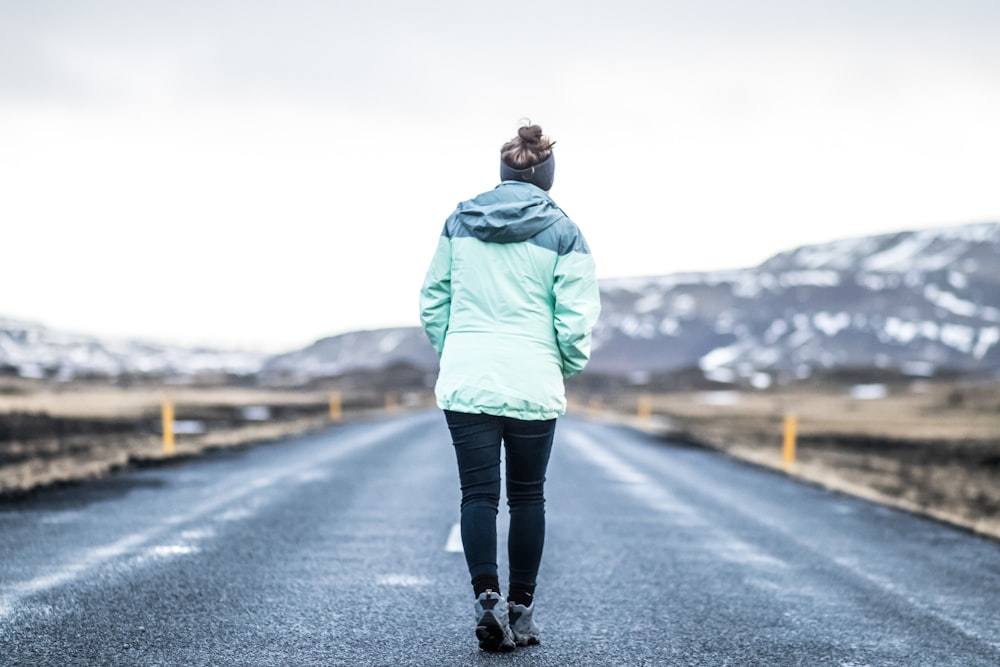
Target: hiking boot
[522,624]
[492,626]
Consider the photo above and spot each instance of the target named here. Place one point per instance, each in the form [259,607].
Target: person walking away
[509,302]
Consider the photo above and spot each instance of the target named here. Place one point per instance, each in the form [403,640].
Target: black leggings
[477,439]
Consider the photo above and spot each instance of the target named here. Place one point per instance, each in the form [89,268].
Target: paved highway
[334,549]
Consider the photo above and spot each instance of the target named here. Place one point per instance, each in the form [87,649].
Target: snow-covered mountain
[914,303]
[33,350]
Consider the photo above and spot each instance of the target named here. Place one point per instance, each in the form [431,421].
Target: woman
[509,302]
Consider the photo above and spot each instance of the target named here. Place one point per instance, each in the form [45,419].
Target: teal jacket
[509,302]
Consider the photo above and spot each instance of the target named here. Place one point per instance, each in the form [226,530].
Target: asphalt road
[333,549]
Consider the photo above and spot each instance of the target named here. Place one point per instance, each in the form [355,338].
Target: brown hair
[528,148]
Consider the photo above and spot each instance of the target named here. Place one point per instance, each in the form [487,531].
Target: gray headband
[541,175]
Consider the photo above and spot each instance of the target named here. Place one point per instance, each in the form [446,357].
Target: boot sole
[491,636]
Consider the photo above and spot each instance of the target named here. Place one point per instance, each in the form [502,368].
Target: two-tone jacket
[509,302]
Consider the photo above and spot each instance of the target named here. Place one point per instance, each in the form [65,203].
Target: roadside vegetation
[923,446]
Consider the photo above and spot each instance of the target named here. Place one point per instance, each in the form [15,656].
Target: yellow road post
[645,407]
[168,425]
[788,452]
[336,406]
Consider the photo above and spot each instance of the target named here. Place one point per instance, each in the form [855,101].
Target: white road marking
[71,516]
[454,543]
[951,611]
[313,476]
[167,550]
[404,580]
[643,488]
[235,514]
[634,482]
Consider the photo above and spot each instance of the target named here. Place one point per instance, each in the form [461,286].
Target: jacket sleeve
[435,295]
[577,305]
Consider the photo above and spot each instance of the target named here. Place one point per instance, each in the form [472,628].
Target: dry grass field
[931,448]
[107,401]
[52,433]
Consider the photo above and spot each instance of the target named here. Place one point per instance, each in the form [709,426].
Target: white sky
[260,174]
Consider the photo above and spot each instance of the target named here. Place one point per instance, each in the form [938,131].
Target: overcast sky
[261,174]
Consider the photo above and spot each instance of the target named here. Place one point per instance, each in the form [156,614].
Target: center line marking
[454,543]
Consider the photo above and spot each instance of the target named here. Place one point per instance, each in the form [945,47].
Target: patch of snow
[957,280]
[958,336]
[747,287]
[722,356]
[941,260]
[985,232]
[837,254]
[31,371]
[899,255]
[868,392]
[950,302]
[718,397]
[633,327]
[876,282]
[716,278]
[766,356]
[900,330]
[803,331]
[684,305]
[669,326]
[814,278]
[988,337]
[767,281]
[720,375]
[831,324]
[648,303]
[774,332]
[800,338]
[391,341]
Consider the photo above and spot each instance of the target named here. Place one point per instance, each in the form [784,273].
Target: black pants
[527,444]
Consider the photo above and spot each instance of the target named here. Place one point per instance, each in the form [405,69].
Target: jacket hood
[510,213]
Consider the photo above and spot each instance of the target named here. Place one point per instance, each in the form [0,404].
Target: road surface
[338,548]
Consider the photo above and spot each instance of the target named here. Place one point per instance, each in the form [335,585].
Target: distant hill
[33,350]
[355,351]
[921,304]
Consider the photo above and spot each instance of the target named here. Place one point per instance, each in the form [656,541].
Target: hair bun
[528,148]
[530,134]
